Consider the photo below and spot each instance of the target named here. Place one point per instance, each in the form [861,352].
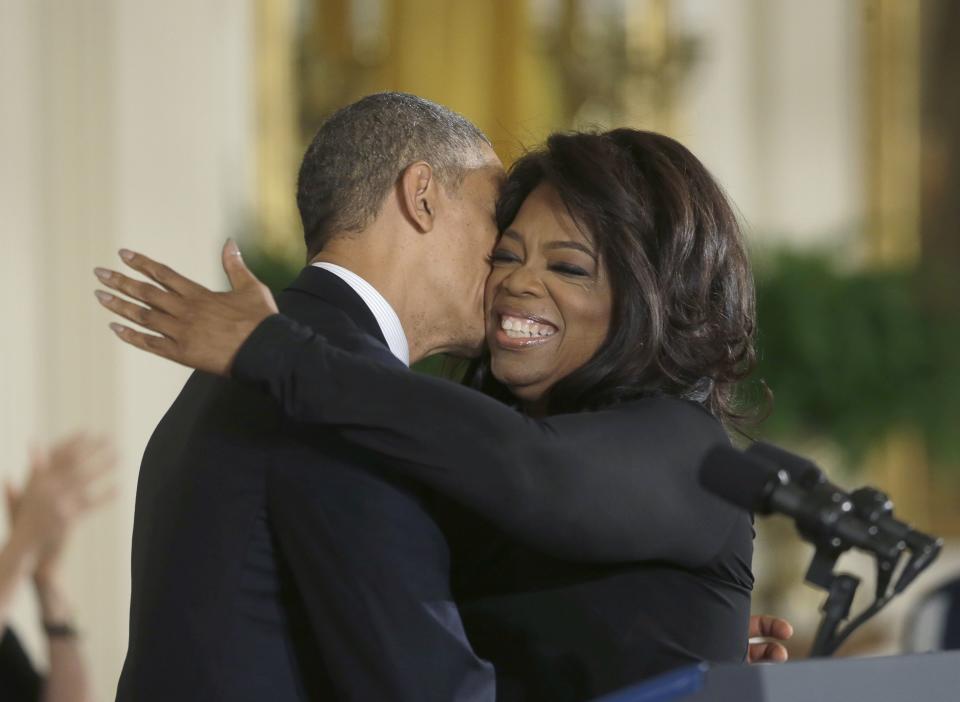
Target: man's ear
[417,194]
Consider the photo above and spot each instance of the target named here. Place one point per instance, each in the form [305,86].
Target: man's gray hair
[361,150]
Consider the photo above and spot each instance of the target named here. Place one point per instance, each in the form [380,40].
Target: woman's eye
[501,256]
[569,269]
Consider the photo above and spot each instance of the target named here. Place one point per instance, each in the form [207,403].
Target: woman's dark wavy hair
[684,314]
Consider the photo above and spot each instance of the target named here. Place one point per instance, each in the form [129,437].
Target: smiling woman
[548,299]
[626,244]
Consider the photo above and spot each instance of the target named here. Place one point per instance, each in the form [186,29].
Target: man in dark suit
[269,563]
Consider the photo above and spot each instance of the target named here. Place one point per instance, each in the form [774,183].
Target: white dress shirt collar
[382,311]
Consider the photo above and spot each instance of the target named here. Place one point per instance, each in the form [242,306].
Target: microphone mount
[767,479]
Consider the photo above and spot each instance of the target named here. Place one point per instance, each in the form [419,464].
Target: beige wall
[122,123]
[773,107]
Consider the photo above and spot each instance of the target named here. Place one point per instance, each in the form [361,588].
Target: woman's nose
[523,281]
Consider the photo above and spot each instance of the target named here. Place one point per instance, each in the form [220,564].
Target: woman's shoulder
[666,440]
[669,412]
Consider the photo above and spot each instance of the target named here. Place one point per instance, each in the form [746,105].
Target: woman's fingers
[160,273]
[765,626]
[158,345]
[151,319]
[773,627]
[767,652]
[233,265]
[150,295]
[197,327]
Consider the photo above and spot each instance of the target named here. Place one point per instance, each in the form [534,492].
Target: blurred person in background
[620,403]
[64,483]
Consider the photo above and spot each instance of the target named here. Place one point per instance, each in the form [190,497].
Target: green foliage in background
[849,355]
[274,270]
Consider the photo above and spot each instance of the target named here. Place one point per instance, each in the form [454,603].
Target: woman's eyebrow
[567,244]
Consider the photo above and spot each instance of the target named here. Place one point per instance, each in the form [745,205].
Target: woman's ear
[418,195]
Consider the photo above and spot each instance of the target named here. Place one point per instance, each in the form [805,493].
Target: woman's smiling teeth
[520,328]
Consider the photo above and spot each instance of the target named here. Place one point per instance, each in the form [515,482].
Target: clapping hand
[64,483]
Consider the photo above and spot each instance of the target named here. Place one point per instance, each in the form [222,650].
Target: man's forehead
[488,179]
[496,177]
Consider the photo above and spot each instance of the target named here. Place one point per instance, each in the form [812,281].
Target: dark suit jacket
[592,558]
[268,564]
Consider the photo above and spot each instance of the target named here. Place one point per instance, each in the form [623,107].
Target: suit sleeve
[614,485]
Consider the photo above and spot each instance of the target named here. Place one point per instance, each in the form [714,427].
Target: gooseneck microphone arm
[766,480]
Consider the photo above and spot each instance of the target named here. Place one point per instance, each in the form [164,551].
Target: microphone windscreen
[739,478]
[801,471]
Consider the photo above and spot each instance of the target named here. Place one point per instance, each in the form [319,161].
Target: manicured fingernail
[103,296]
[116,328]
[126,254]
[102,273]
[232,248]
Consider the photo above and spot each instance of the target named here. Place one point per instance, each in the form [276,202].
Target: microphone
[823,514]
[877,508]
[870,504]
[801,471]
[766,479]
